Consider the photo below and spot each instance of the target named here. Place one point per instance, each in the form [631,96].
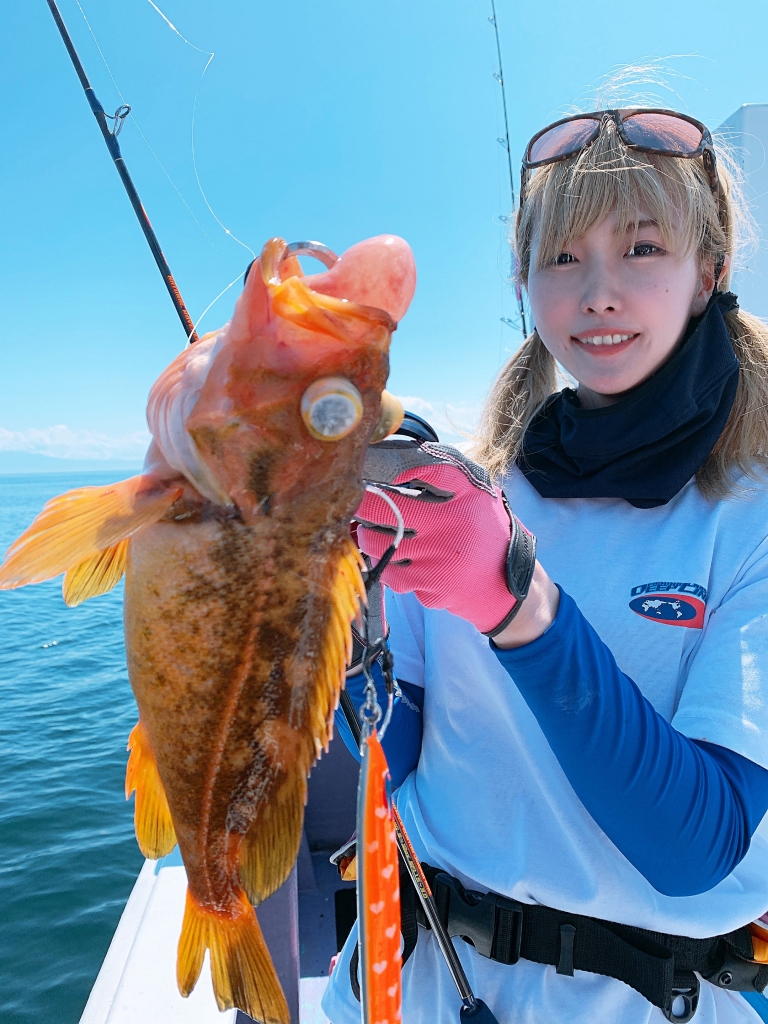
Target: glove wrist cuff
[521,561]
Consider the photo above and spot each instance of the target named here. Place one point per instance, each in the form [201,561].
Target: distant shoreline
[28,464]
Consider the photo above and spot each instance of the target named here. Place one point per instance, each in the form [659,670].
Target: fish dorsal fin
[155,833]
[269,848]
[75,529]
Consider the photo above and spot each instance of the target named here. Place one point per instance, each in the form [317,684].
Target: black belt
[658,966]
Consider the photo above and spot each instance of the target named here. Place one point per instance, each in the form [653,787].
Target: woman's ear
[725,275]
[706,287]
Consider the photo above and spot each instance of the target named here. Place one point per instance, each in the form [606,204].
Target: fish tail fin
[155,833]
[270,846]
[241,968]
[82,533]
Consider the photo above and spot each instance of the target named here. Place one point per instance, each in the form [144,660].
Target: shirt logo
[674,604]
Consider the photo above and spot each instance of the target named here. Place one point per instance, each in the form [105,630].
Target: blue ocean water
[68,858]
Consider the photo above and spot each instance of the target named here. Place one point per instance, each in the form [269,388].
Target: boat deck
[305,923]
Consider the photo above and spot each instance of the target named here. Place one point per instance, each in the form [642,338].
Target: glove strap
[521,561]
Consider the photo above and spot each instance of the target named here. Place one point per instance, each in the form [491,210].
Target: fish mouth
[293,300]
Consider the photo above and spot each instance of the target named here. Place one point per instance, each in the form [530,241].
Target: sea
[68,857]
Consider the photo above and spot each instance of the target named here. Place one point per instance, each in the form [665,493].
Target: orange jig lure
[378,892]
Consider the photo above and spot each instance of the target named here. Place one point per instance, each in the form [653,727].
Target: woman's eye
[645,249]
[563,258]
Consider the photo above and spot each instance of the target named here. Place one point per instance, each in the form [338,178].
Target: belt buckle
[473,916]
[690,997]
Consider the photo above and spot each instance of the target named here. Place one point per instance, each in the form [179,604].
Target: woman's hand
[463,549]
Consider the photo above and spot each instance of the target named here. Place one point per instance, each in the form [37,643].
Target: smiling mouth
[606,340]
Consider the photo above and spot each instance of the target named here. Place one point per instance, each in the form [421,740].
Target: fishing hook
[370,712]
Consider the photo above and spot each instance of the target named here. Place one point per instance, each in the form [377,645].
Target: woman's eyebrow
[640,226]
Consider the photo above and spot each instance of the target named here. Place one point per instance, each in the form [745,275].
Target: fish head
[293,393]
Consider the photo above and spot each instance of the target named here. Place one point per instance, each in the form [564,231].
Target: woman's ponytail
[743,445]
[522,387]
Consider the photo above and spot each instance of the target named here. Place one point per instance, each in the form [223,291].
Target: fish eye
[331,408]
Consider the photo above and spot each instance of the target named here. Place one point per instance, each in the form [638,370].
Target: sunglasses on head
[646,130]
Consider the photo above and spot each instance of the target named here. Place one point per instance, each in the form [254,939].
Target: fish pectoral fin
[242,971]
[271,845]
[77,527]
[96,575]
[155,833]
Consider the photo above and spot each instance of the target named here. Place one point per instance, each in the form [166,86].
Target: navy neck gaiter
[648,445]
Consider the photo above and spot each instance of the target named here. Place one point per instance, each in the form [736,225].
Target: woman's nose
[600,304]
[601,296]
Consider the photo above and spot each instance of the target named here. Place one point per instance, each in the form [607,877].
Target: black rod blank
[110,137]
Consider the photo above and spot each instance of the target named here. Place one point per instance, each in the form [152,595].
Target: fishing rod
[110,137]
[504,143]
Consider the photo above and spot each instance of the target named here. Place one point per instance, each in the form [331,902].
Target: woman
[605,753]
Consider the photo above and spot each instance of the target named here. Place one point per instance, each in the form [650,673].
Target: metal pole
[505,143]
[110,137]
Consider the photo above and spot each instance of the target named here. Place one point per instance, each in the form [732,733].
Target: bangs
[566,199]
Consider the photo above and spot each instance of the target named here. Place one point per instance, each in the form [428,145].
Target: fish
[378,891]
[241,581]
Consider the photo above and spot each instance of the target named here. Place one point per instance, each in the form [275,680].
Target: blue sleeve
[681,811]
[402,740]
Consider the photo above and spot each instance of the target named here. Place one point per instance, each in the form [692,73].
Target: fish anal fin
[270,847]
[242,971]
[96,575]
[75,527]
[155,833]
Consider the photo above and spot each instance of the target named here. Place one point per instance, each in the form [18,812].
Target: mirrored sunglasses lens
[563,139]
[661,131]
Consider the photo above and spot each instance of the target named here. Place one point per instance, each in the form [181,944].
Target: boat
[307,920]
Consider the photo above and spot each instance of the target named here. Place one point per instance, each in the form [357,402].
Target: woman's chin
[597,392]
[610,379]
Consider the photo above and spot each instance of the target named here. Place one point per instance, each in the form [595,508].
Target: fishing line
[210,54]
[212,304]
[191,335]
[170,24]
[141,133]
[371,713]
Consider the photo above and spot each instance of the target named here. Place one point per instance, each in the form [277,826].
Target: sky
[332,121]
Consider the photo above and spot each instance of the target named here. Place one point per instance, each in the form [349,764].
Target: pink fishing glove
[463,549]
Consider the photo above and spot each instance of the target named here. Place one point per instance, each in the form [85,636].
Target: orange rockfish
[241,583]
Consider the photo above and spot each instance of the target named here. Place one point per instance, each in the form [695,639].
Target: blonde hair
[563,202]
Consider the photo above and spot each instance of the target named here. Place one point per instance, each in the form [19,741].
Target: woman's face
[612,307]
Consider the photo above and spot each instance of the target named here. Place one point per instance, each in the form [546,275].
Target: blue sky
[331,121]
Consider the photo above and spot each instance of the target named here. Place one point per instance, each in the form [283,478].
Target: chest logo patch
[673,604]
